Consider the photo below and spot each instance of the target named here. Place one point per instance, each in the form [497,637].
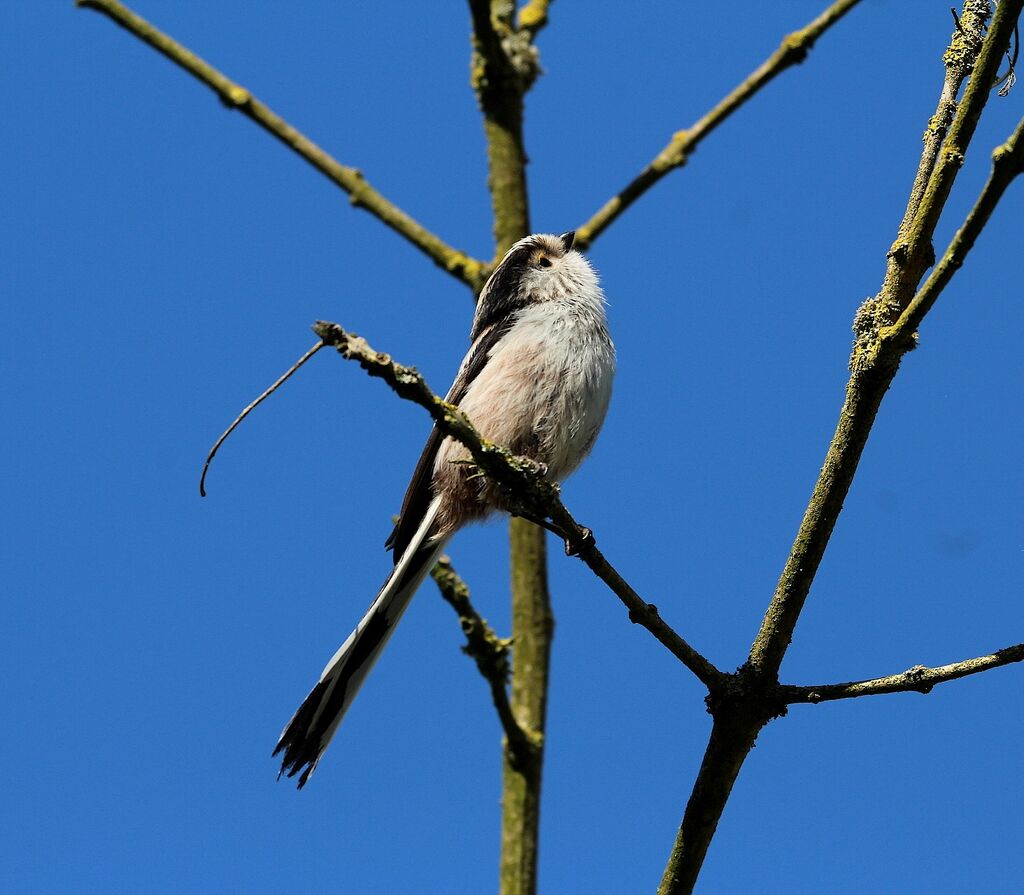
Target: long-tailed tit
[537,380]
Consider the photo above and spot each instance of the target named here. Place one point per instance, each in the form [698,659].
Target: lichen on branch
[491,655]
[524,481]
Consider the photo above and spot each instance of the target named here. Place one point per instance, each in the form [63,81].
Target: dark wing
[418,495]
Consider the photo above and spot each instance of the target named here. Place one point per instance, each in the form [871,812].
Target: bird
[537,380]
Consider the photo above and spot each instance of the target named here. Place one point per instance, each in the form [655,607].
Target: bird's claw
[587,539]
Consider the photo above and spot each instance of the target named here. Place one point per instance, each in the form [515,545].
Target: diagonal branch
[1007,164]
[792,51]
[920,679]
[641,612]
[874,365]
[488,650]
[958,59]
[234,96]
[525,482]
[968,54]
[756,698]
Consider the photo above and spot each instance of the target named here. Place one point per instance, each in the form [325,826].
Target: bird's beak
[568,239]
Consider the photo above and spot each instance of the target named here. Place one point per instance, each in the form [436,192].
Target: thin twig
[956,20]
[920,679]
[488,650]
[975,52]
[958,59]
[351,180]
[792,51]
[281,381]
[641,612]
[523,479]
[1007,164]
[1005,82]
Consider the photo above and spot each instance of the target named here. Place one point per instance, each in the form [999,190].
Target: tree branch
[524,481]
[732,738]
[234,96]
[505,64]
[920,679]
[958,59]
[792,51]
[488,650]
[912,252]
[874,363]
[752,697]
[640,611]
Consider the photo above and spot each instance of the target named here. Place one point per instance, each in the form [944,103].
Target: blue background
[162,259]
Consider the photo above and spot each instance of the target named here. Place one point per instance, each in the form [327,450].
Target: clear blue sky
[162,260]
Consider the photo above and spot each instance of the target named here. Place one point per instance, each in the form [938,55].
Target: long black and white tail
[312,726]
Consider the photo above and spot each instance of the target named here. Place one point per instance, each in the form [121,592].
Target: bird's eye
[543,261]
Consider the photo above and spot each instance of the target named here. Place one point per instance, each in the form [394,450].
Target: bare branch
[731,740]
[640,611]
[1007,164]
[792,51]
[920,679]
[751,697]
[912,252]
[958,59]
[874,363]
[489,651]
[524,480]
[234,96]
[505,64]
[238,419]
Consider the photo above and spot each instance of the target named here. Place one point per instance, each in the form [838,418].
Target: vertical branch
[505,64]
[532,629]
[507,176]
